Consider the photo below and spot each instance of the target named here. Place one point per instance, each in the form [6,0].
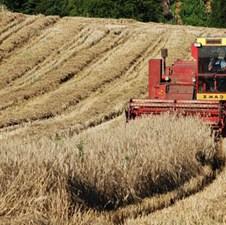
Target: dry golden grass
[206,207]
[30,28]
[59,76]
[74,181]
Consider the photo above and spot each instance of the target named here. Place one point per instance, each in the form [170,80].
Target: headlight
[167,78]
[197,45]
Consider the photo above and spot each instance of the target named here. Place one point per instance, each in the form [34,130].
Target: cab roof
[212,41]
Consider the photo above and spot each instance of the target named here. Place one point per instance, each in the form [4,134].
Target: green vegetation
[190,12]
[144,10]
[194,12]
[218,17]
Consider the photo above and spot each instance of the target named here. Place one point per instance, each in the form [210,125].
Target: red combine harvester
[189,88]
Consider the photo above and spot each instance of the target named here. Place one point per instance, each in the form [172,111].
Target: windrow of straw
[67,181]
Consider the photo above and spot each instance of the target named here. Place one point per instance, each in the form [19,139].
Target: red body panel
[180,87]
[155,67]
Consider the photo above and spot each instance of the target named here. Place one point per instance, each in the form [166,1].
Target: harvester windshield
[212,59]
[212,69]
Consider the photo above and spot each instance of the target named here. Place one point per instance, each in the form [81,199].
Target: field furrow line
[5,105]
[118,90]
[116,45]
[95,101]
[117,41]
[70,49]
[136,63]
[35,41]
[7,18]
[46,115]
[99,57]
[125,76]
[152,52]
[14,22]
[30,32]
[152,205]
[29,57]
[18,27]
[51,62]
[71,100]
[70,112]
[115,89]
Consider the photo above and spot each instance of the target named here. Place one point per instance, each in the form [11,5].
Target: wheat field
[66,154]
[110,176]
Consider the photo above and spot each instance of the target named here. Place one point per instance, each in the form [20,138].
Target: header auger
[189,88]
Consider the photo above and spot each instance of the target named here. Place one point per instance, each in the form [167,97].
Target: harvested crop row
[34,54]
[9,20]
[26,33]
[81,89]
[50,181]
[56,71]
[17,28]
[61,75]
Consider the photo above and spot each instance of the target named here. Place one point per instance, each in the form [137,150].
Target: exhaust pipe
[164,55]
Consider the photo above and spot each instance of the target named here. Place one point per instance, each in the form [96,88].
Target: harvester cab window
[212,59]
[206,84]
[212,84]
[221,84]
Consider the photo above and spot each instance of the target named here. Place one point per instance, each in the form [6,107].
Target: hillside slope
[66,74]
[60,75]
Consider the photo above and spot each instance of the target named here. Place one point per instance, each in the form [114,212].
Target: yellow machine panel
[211,96]
[209,41]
